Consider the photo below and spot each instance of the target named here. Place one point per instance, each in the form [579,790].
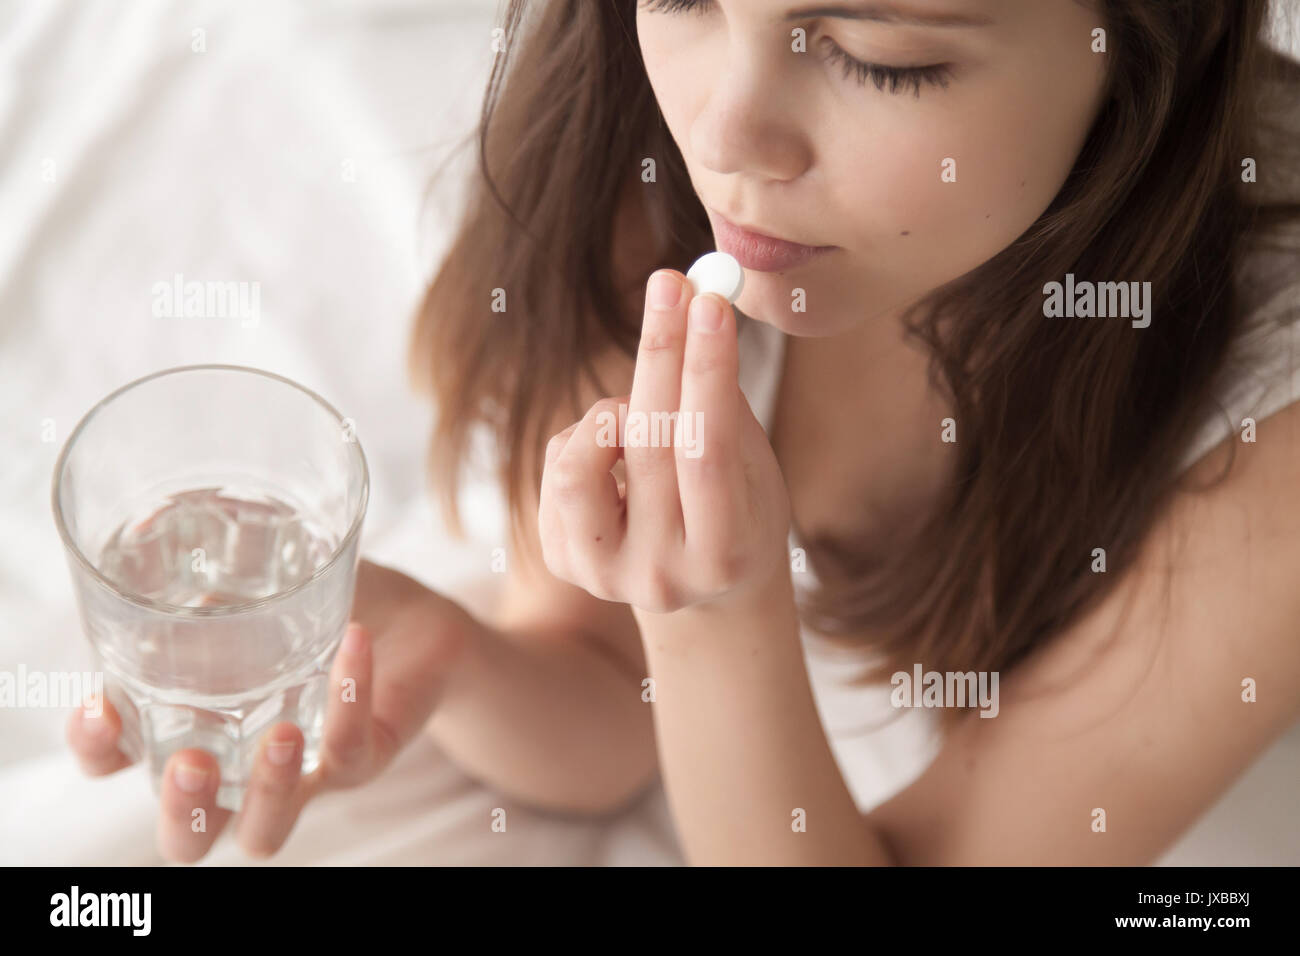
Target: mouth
[759,251]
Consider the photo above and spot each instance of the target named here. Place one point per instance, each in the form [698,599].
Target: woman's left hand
[704,516]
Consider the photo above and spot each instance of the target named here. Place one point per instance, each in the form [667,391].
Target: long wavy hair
[1070,433]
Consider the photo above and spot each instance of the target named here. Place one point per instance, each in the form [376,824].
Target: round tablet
[717,272]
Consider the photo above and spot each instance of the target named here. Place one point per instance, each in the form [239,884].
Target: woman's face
[913,182]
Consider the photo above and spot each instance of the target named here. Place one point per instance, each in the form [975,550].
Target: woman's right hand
[402,641]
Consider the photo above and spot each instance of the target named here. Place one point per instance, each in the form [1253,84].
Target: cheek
[1024,150]
[668,70]
[946,180]
[1008,161]
[912,227]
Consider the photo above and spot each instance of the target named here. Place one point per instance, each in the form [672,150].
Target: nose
[749,118]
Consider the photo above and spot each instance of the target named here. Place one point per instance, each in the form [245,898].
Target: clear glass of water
[212,515]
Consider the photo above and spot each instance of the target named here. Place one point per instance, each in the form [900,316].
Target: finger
[93,732]
[274,796]
[579,501]
[347,740]
[583,487]
[189,819]
[709,467]
[653,505]
[558,441]
[550,527]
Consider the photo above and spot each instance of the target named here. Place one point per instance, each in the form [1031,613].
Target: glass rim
[177,610]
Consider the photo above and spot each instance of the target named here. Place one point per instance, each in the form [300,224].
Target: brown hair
[1090,418]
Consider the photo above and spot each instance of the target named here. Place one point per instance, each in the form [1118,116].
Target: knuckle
[647,457]
[723,568]
[600,589]
[698,461]
[347,745]
[566,483]
[659,593]
[603,582]
[555,446]
[270,790]
[602,414]
[659,337]
[653,445]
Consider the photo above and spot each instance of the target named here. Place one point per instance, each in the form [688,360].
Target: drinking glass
[211,516]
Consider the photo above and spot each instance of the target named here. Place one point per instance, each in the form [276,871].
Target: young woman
[1008,395]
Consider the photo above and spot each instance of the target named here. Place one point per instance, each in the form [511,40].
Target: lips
[762,253]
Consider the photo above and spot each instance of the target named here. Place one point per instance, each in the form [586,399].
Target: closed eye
[898,78]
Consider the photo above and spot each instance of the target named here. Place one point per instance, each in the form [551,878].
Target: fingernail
[352,641]
[706,313]
[280,752]
[190,779]
[665,290]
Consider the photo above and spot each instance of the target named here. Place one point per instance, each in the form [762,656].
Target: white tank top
[881,749]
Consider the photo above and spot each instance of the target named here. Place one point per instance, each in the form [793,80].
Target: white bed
[294,152]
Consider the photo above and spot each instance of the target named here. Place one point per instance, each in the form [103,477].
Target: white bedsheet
[127,158]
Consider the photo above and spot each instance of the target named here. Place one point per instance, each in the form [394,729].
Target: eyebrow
[888,12]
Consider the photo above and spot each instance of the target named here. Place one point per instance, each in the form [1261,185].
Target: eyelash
[878,74]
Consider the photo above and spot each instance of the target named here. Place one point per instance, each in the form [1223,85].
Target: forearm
[741,747]
[550,719]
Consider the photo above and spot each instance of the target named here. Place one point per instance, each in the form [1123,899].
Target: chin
[766,297]
[780,316]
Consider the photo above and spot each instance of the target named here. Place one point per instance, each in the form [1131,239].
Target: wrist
[754,610]
[771,590]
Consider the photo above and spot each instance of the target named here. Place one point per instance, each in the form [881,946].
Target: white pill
[717,272]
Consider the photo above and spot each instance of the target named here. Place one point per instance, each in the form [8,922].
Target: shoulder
[1144,711]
